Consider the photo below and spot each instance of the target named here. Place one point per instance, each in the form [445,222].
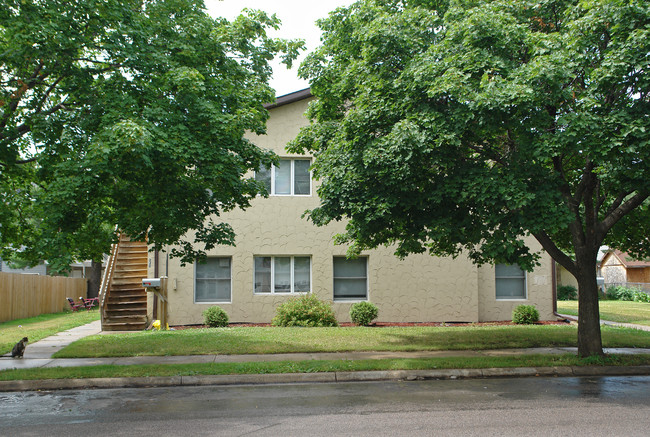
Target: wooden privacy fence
[32,295]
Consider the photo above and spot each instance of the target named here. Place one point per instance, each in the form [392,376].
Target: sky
[298,21]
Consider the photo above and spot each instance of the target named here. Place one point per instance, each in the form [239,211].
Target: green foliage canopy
[467,125]
[132,113]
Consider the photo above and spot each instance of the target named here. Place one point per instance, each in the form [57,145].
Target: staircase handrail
[108,276]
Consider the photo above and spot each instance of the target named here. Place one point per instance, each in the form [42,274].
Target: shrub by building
[215,317]
[525,315]
[363,313]
[305,310]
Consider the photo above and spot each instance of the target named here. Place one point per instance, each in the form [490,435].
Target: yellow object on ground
[156,325]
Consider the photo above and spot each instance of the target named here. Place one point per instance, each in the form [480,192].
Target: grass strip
[313,366]
[258,340]
[613,310]
[39,327]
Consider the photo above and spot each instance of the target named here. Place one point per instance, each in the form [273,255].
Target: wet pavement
[594,406]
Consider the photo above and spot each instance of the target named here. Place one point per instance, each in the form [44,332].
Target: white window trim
[352,299]
[216,301]
[291,269]
[512,299]
[292,178]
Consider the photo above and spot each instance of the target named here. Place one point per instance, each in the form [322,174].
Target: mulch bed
[388,324]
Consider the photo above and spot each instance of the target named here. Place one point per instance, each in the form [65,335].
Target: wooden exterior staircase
[123,300]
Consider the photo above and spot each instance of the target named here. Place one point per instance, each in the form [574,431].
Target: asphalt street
[598,406]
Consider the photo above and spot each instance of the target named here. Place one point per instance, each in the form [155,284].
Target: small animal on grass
[19,348]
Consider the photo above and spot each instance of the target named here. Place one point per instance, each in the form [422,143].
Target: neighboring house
[279,254]
[77,270]
[619,268]
[41,269]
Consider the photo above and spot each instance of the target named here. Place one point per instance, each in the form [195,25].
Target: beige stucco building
[279,254]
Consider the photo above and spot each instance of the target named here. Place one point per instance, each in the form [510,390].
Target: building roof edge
[289,98]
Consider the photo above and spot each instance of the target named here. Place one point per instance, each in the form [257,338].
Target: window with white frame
[510,281]
[212,280]
[282,274]
[291,177]
[350,278]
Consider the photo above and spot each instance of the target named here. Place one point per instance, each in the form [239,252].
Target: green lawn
[259,340]
[613,310]
[313,366]
[37,328]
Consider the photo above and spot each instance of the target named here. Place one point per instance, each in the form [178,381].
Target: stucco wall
[538,290]
[564,277]
[418,288]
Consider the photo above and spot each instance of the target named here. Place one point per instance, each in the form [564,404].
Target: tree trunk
[589,339]
[94,278]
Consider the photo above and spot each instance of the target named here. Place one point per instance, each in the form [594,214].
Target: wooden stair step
[123,302]
[133,250]
[127,281]
[128,317]
[125,326]
[128,287]
[127,297]
[127,310]
[127,305]
[121,275]
[131,256]
[131,269]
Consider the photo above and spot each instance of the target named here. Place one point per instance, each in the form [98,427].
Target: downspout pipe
[554,285]
[156,274]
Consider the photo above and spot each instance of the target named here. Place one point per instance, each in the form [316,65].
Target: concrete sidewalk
[609,323]
[39,355]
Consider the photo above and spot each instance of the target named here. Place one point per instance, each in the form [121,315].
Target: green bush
[362,313]
[306,310]
[215,317]
[640,296]
[620,292]
[567,292]
[525,315]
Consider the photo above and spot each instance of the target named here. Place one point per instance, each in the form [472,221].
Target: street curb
[324,377]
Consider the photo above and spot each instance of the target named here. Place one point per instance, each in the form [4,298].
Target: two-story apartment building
[279,254]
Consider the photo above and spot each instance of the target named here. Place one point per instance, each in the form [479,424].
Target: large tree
[128,113]
[464,126]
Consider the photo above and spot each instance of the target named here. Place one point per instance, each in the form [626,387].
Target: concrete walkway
[39,355]
[608,323]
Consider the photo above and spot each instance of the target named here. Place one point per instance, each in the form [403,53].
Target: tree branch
[617,202]
[585,181]
[24,128]
[26,161]
[46,94]
[565,190]
[585,191]
[618,213]
[559,256]
[18,94]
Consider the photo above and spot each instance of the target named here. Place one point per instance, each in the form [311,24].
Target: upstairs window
[510,282]
[290,177]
